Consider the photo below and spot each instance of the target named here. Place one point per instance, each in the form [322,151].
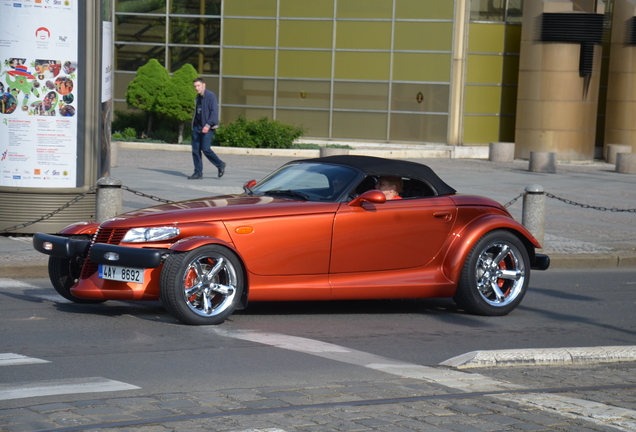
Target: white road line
[59,387]
[14,283]
[619,418]
[469,382]
[11,359]
[595,412]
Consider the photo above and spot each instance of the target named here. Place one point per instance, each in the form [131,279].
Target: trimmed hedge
[261,133]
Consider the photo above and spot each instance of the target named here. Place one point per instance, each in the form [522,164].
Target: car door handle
[443,215]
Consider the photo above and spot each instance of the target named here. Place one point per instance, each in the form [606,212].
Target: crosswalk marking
[11,359]
[66,386]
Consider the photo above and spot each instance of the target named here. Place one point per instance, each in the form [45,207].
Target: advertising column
[38,80]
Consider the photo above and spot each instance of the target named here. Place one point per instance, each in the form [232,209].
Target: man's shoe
[195,176]
[222,169]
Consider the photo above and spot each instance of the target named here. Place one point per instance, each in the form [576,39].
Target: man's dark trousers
[201,143]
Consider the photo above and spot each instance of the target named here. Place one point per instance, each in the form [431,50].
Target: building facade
[398,71]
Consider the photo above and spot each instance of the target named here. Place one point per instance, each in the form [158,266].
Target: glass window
[141,6]
[255,8]
[361,95]
[140,28]
[487,10]
[132,57]
[249,32]
[303,94]
[248,62]
[305,34]
[204,60]
[121,82]
[374,35]
[482,100]
[243,91]
[230,113]
[421,67]
[202,31]
[424,9]
[194,7]
[304,64]
[515,10]
[419,127]
[484,69]
[358,125]
[306,8]
[362,65]
[362,9]
[315,123]
[420,97]
[481,129]
[486,38]
[423,36]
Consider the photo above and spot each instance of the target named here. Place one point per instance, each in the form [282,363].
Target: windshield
[309,181]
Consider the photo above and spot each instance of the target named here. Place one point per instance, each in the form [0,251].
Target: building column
[620,127]
[559,78]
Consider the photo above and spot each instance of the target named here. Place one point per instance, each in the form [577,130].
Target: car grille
[109,236]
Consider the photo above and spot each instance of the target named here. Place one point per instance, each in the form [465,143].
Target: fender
[191,243]
[476,229]
[84,228]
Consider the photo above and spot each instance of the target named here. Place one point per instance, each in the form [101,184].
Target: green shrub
[125,119]
[261,133]
[117,136]
[129,133]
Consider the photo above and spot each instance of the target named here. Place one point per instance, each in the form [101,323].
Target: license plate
[122,274]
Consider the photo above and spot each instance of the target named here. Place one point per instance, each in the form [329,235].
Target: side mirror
[373,196]
[247,187]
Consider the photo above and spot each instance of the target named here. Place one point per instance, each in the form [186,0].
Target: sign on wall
[38,83]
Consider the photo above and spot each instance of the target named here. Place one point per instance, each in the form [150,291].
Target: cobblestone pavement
[579,398]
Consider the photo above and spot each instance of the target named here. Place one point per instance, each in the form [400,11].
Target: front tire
[495,275]
[64,274]
[202,286]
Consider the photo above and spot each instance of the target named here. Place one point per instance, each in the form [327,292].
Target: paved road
[314,367]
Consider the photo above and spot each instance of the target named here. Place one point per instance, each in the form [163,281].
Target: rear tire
[495,275]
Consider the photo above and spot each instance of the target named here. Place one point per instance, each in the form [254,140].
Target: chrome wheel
[209,285]
[203,286]
[500,274]
[495,275]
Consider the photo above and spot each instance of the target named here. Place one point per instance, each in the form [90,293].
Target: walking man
[204,123]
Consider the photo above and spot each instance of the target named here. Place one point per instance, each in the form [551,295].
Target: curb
[612,260]
[542,356]
[402,152]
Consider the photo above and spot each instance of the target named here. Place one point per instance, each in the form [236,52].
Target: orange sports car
[314,229]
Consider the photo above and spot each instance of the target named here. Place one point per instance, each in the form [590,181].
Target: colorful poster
[38,83]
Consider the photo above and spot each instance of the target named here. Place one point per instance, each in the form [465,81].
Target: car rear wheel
[495,275]
[64,274]
[202,286]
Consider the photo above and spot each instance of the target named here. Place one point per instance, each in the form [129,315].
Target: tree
[176,99]
[144,90]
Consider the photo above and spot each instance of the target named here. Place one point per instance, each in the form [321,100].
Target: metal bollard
[109,199]
[533,213]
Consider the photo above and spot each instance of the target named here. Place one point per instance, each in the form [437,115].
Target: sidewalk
[575,237]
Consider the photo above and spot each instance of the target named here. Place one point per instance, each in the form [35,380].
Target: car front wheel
[202,286]
[495,275]
[64,274]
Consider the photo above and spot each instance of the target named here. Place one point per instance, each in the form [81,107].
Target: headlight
[137,235]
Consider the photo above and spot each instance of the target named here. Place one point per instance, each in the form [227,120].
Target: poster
[38,83]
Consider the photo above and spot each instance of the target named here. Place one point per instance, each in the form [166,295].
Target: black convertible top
[388,167]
